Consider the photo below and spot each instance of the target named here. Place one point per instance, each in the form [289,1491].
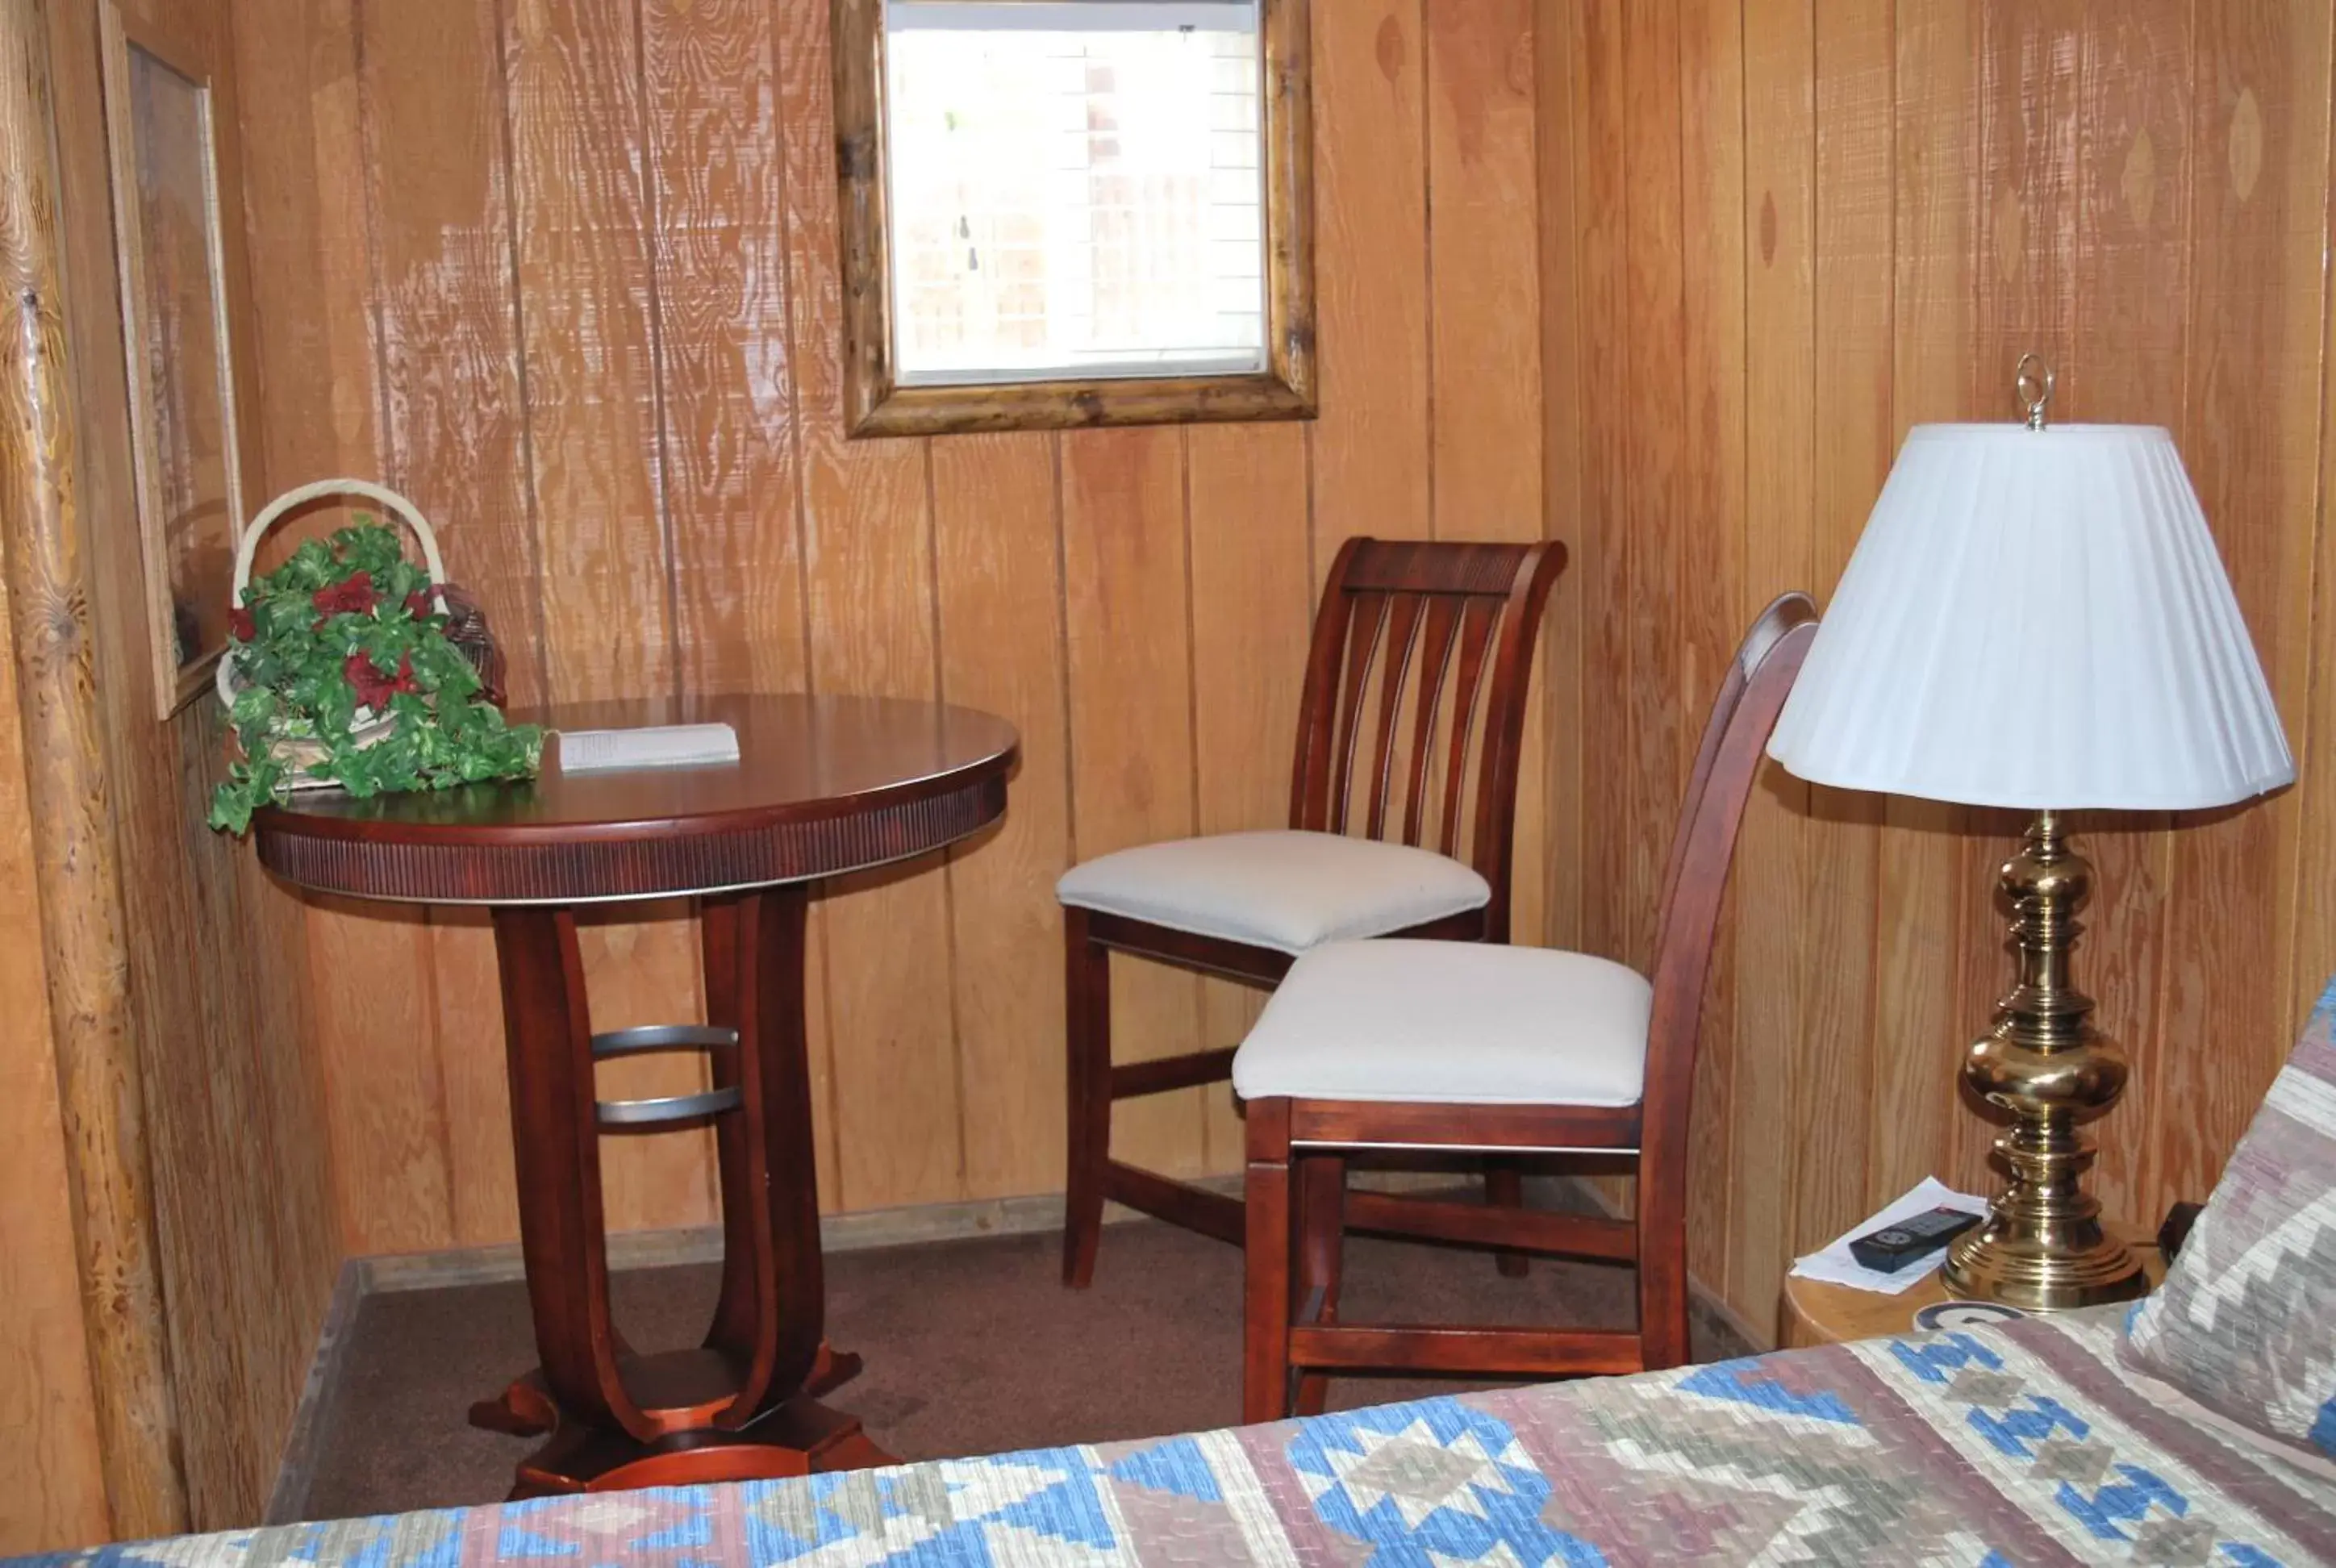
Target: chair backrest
[1421,663]
[1726,764]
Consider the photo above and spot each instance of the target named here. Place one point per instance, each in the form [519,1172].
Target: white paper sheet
[655,745]
[1834,1265]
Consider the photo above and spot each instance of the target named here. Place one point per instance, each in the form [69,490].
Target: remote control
[1893,1247]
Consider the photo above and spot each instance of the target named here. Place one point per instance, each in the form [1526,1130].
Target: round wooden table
[1817,1313]
[825,786]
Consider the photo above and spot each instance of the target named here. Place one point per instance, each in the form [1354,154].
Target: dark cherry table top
[822,785]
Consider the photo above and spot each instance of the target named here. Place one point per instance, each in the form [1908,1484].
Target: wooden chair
[1408,734]
[1412,1045]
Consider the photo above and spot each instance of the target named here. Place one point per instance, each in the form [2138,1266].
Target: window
[1064,212]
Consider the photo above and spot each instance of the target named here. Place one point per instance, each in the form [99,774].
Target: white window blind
[1075,189]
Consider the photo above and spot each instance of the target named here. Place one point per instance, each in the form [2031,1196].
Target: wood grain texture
[1921,886]
[1484,356]
[584,210]
[569,273]
[241,1186]
[1251,564]
[1712,515]
[867,520]
[2258,287]
[1779,967]
[45,1369]
[998,598]
[2134,214]
[1659,718]
[1125,551]
[1922,191]
[1855,439]
[68,789]
[48,1391]
[1372,474]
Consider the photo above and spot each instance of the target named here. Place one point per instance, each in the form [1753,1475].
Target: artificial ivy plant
[342,635]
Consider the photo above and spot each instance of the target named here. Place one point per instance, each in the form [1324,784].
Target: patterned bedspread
[2024,1443]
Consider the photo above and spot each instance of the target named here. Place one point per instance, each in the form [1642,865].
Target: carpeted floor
[972,1348]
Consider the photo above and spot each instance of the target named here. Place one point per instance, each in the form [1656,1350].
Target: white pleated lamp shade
[2037,619]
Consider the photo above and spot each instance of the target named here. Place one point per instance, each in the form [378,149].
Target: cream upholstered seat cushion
[1454,1023]
[1287,891]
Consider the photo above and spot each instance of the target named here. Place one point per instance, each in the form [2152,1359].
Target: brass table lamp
[2036,617]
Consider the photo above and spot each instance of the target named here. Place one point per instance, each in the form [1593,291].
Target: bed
[2030,1442]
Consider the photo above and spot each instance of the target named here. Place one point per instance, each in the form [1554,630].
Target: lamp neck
[2046,883]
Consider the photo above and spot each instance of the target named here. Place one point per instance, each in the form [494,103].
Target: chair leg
[1504,1188]
[1087,1082]
[1266,1302]
[1321,1246]
[1662,1285]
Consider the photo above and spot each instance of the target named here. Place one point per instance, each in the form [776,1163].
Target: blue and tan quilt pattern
[2024,1443]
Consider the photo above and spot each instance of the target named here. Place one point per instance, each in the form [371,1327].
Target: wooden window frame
[876,404]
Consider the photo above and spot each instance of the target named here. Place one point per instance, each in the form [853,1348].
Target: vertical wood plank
[1603,564]
[1126,575]
[2315,915]
[1485,360]
[1655,758]
[438,199]
[1251,616]
[998,569]
[1370,267]
[1922,880]
[725,377]
[1774,1007]
[723,372]
[1565,515]
[868,523]
[314,232]
[1711,586]
[2128,367]
[45,1393]
[583,205]
[1855,68]
[2253,416]
[2024,293]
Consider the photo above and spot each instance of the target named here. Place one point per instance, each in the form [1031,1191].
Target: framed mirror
[1074,212]
[162,148]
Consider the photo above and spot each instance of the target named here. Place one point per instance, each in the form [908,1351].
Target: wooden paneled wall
[565,271]
[1782,232]
[240,1178]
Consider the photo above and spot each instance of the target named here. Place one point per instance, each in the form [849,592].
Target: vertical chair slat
[1435,649]
[1402,620]
[1370,615]
[1477,624]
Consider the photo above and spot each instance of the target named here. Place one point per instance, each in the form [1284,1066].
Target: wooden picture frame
[876,404]
[186,448]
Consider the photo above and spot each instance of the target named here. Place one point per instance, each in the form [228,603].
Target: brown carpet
[972,1348]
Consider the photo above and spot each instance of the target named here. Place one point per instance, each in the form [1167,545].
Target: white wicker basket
[300,754]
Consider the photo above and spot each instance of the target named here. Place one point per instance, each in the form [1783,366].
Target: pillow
[2245,1323]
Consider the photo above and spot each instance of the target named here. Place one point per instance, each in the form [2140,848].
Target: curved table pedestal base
[617,1419]
[799,1436]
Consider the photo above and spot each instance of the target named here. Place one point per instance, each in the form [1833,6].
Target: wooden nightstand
[1816,1314]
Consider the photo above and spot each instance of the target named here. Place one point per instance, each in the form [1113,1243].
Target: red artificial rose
[417,604]
[374,688]
[239,624]
[355,596]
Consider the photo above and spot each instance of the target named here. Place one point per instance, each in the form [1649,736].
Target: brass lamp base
[2042,1248]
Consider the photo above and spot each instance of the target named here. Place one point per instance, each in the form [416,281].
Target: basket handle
[246,549]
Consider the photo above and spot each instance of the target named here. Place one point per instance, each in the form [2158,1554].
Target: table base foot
[683,1391]
[521,1411]
[797,1439]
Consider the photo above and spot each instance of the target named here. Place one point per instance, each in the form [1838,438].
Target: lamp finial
[2033,383]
